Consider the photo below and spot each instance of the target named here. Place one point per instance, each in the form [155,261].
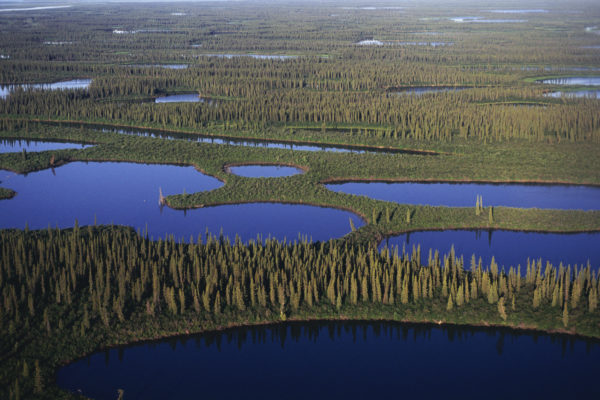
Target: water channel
[564,197]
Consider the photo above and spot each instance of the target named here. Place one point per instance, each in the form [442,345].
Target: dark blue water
[508,248]
[264,171]
[343,360]
[17,146]
[65,85]
[465,194]
[575,80]
[127,194]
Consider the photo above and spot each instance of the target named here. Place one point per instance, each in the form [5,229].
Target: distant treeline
[244,103]
[331,80]
[110,284]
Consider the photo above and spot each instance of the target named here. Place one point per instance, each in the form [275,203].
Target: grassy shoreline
[324,167]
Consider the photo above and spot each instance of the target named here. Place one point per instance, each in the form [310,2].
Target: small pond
[165,66]
[370,42]
[563,197]
[340,360]
[257,56]
[181,98]
[65,85]
[127,194]
[507,247]
[532,11]
[263,171]
[574,81]
[591,94]
[17,146]
[432,44]
[32,8]
[428,89]
[486,21]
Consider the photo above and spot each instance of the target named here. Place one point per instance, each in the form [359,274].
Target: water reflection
[20,145]
[509,248]
[342,359]
[565,197]
[65,85]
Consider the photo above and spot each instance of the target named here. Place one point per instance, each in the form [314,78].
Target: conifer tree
[565,316]
[460,296]
[593,299]
[450,304]
[37,379]
[502,309]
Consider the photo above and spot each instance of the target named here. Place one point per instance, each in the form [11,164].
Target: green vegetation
[66,293]
[6,193]
[324,166]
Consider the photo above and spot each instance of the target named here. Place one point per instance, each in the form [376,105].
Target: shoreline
[523,329]
[529,182]
[227,167]
[374,148]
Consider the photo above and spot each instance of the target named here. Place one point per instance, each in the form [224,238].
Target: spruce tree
[37,379]
[593,299]
[502,309]
[450,304]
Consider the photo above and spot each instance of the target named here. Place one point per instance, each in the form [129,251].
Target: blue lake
[575,80]
[65,85]
[465,194]
[127,194]
[17,146]
[507,247]
[343,360]
[264,171]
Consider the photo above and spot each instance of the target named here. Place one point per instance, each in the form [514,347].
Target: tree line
[74,282]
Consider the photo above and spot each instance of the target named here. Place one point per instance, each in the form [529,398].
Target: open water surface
[343,360]
[128,194]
